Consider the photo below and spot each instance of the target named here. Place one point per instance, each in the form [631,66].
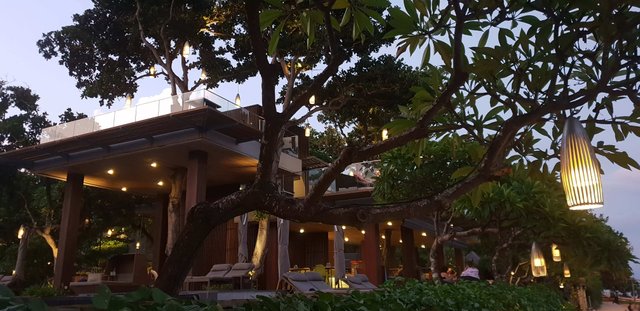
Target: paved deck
[610,306]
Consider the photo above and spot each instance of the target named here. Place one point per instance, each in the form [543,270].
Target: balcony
[356,177]
[243,126]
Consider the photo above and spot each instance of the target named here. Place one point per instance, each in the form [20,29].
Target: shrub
[414,295]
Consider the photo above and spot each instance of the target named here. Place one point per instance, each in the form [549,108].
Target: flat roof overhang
[130,149]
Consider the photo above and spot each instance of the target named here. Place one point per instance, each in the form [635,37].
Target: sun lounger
[359,282]
[130,273]
[218,271]
[305,283]
[241,272]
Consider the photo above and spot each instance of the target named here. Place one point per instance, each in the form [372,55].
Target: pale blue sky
[23,22]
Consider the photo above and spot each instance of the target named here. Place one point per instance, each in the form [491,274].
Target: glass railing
[358,175]
[143,111]
[291,144]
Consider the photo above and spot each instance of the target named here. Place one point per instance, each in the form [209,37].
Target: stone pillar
[196,180]
[409,254]
[371,254]
[159,231]
[69,226]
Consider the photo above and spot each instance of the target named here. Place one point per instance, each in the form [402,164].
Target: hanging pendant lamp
[566,271]
[555,253]
[538,265]
[580,170]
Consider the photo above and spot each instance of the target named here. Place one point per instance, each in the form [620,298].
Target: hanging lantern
[307,130]
[555,253]
[580,170]
[152,71]
[538,266]
[312,100]
[237,100]
[20,232]
[566,271]
[385,134]
[128,100]
[203,75]
[186,49]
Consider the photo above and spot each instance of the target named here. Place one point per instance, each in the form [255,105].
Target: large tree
[503,74]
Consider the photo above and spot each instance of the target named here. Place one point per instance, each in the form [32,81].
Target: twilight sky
[23,22]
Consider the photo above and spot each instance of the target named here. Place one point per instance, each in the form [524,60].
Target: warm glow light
[400,241]
[110,171]
[128,101]
[423,246]
[124,189]
[344,227]
[14,272]
[137,245]
[385,134]
[383,237]
[389,223]
[346,239]
[513,273]
[307,131]
[203,75]
[186,49]
[351,173]
[153,164]
[109,233]
[579,168]
[312,100]
[160,183]
[565,271]
[20,233]
[152,71]
[363,232]
[87,221]
[555,253]
[237,101]
[538,266]
[561,285]
[301,230]
[424,234]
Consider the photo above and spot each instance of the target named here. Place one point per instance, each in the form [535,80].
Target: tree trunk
[19,276]
[260,251]
[434,259]
[175,215]
[46,235]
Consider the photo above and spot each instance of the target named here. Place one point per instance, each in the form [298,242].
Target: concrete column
[371,254]
[409,253]
[196,180]
[69,226]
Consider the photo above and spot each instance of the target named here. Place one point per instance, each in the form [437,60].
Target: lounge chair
[241,272]
[130,273]
[305,283]
[218,271]
[359,282]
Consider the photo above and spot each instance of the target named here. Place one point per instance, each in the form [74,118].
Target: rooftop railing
[143,111]
[360,175]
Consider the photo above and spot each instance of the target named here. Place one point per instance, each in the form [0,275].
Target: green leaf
[341,4]
[426,55]
[400,21]
[267,17]
[346,17]
[275,38]
[444,50]
[462,172]
[101,299]
[159,296]
[483,39]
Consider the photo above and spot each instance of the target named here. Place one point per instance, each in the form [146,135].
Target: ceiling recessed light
[400,241]
[389,223]
[423,246]
[153,164]
[124,189]
[301,230]
[346,239]
[424,234]
[160,183]
[110,171]
[363,232]
[383,237]
[344,227]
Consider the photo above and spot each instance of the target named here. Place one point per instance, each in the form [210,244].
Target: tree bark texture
[175,214]
[260,250]
[20,274]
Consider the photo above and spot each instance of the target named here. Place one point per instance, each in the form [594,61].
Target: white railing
[176,103]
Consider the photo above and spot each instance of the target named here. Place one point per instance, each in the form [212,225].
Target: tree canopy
[500,74]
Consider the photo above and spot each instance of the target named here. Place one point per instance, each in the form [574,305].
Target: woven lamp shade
[538,265]
[565,271]
[579,170]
